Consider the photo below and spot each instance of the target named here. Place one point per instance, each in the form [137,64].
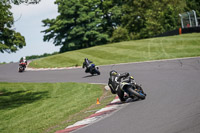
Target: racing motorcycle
[90,68]
[125,86]
[94,69]
[22,66]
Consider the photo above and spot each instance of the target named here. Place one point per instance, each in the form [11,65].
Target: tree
[120,34]
[10,40]
[144,18]
[112,13]
[17,2]
[78,25]
[85,23]
[193,5]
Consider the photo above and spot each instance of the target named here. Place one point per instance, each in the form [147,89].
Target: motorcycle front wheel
[136,92]
[20,69]
[97,71]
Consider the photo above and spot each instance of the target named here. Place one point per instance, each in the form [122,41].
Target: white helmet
[24,58]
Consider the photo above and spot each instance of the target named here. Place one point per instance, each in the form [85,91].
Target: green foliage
[120,34]
[150,18]
[40,56]
[2,63]
[77,26]
[10,40]
[88,23]
[112,13]
[193,5]
[18,2]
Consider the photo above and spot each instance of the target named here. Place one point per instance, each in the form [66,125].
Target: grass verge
[185,45]
[47,107]
[2,63]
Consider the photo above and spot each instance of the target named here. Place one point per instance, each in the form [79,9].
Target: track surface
[173,95]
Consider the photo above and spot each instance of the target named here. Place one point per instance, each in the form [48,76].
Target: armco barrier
[184,31]
[191,30]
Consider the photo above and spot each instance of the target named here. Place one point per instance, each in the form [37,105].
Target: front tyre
[97,72]
[136,93]
[140,89]
[20,69]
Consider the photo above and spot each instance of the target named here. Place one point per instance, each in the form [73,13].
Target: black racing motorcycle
[94,69]
[90,68]
[125,87]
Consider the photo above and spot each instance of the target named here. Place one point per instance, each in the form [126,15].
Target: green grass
[46,107]
[2,63]
[185,45]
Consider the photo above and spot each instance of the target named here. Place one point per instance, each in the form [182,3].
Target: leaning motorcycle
[22,67]
[94,70]
[131,88]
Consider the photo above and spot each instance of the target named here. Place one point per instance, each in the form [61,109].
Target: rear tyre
[112,90]
[120,94]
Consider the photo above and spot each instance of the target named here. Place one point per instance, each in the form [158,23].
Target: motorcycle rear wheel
[120,94]
[112,90]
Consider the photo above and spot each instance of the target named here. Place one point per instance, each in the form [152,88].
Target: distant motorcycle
[123,83]
[94,70]
[90,68]
[22,66]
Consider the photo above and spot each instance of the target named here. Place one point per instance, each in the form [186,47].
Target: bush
[120,34]
[40,56]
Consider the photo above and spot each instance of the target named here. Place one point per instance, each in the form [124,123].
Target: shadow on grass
[19,98]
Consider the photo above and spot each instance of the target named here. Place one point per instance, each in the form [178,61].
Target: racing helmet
[24,58]
[113,73]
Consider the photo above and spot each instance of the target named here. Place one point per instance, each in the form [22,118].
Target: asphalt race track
[172,104]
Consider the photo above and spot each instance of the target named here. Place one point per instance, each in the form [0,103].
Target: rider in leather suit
[86,64]
[23,60]
[113,83]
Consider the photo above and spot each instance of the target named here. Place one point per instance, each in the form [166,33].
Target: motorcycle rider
[87,64]
[23,60]
[114,80]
